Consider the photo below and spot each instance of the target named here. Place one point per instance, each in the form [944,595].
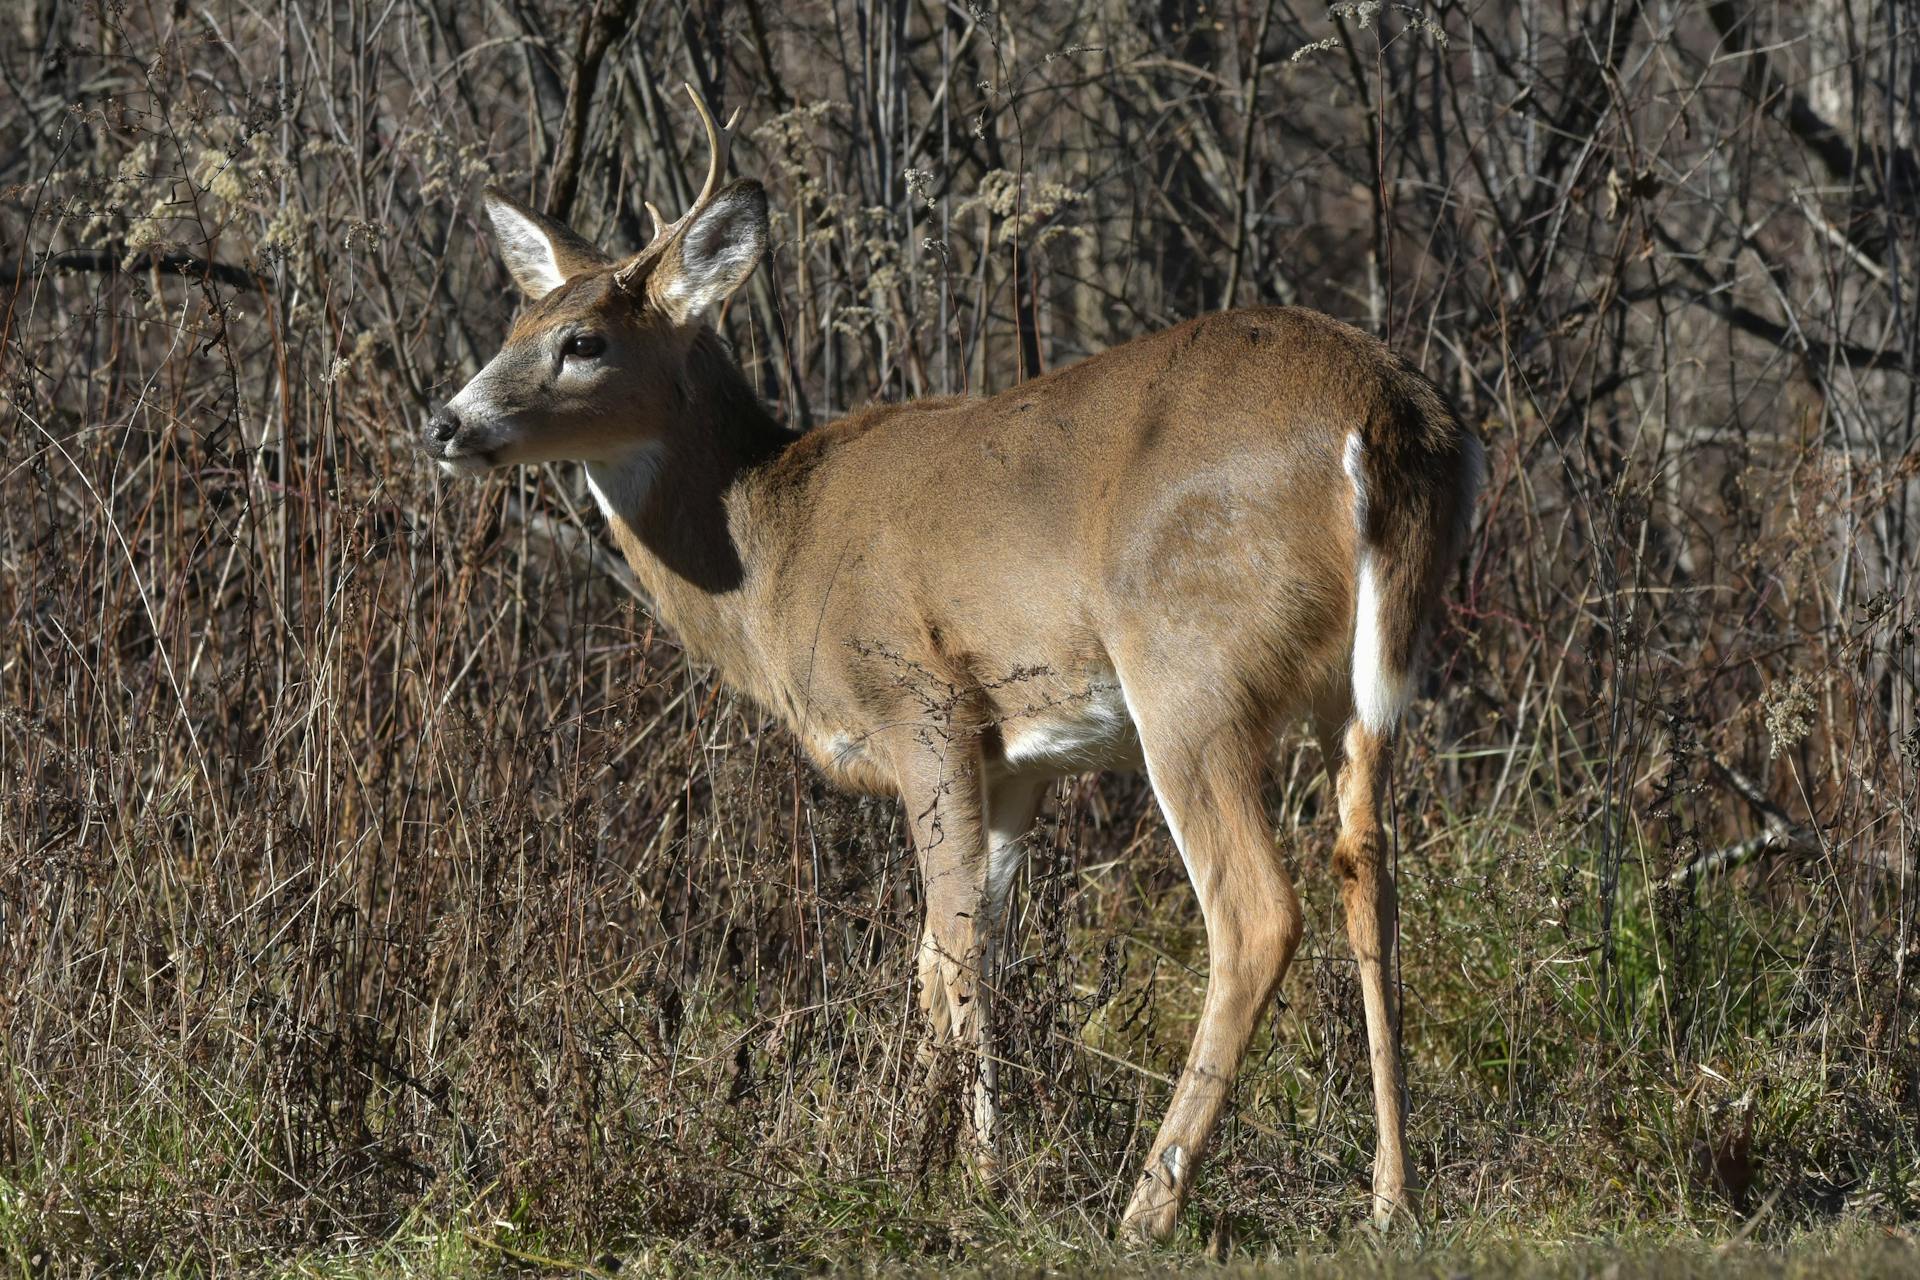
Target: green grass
[1853,1254]
[1559,1132]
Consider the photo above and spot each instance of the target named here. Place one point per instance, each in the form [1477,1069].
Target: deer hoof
[984,1159]
[1398,1212]
[1152,1213]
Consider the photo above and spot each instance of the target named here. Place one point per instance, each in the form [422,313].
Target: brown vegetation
[373,872]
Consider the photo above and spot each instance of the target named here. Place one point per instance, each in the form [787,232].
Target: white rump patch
[1378,691]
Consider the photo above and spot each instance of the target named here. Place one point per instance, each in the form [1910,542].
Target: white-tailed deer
[1157,558]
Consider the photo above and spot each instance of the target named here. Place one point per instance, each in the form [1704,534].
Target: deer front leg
[1010,808]
[941,788]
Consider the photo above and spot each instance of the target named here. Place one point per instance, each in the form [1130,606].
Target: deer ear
[715,253]
[540,253]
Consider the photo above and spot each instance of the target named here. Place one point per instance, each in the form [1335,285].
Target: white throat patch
[621,488]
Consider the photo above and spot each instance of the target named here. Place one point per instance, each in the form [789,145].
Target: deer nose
[443,425]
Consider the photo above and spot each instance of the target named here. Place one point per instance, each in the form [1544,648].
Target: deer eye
[583,346]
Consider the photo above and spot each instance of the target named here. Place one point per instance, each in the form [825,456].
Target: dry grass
[381,893]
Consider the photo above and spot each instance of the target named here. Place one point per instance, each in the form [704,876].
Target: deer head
[592,370]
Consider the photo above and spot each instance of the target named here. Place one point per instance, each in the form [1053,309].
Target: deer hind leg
[1209,789]
[1366,885]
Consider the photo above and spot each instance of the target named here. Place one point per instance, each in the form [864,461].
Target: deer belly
[1074,733]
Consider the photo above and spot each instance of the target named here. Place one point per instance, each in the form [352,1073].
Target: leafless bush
[368,859]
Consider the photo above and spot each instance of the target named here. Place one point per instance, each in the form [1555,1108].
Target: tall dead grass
[373,870]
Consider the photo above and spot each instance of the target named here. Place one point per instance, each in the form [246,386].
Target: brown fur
[1148,557]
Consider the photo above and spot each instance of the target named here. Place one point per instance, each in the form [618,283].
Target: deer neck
[678,511]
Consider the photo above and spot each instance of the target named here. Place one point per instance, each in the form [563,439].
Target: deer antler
[719,145]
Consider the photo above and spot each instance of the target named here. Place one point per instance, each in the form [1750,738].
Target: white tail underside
[1379,692]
